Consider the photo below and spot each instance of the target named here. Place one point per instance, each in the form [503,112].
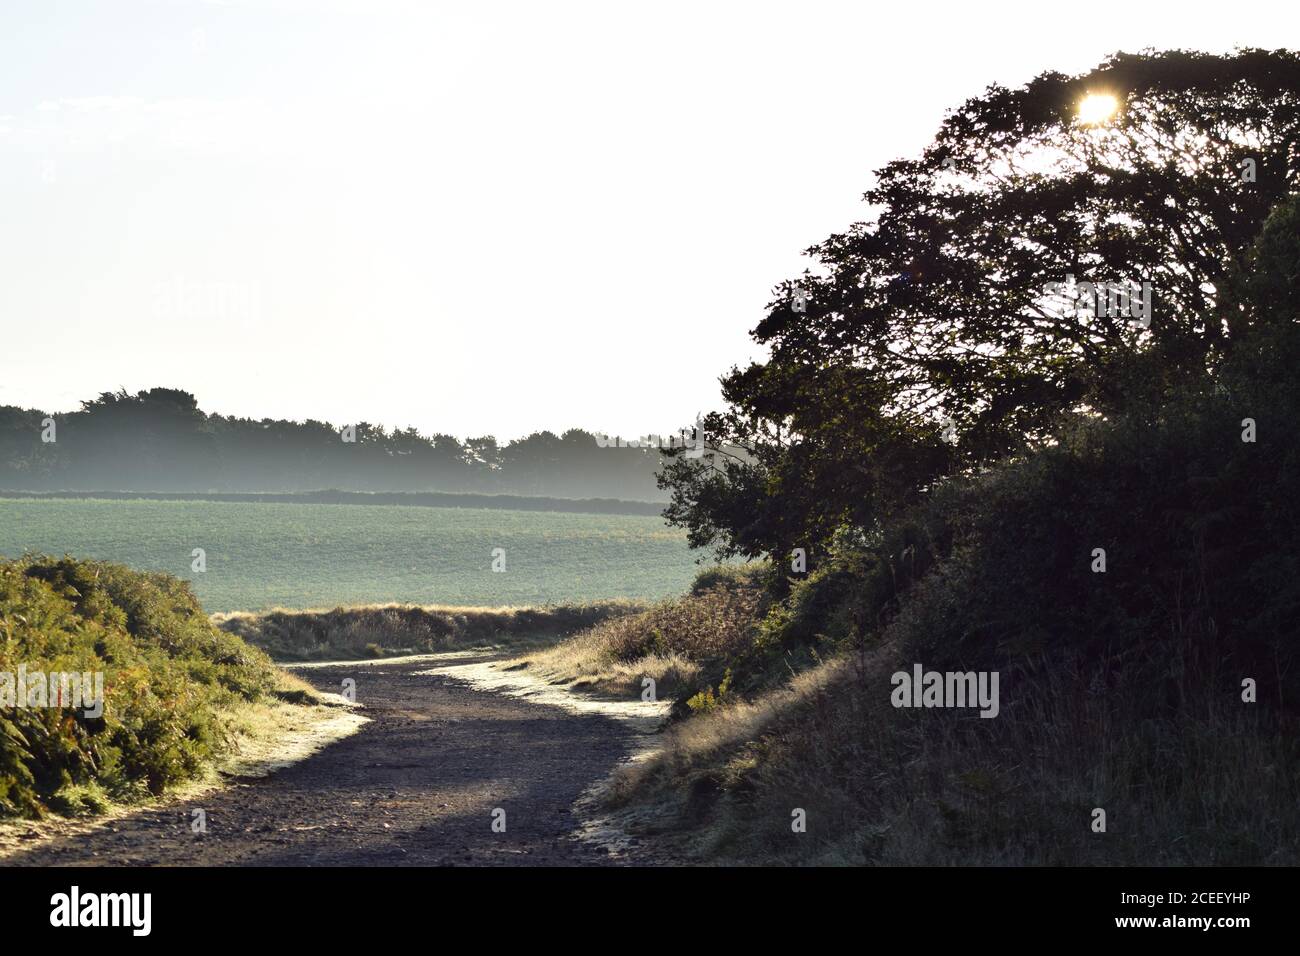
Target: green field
[318,555]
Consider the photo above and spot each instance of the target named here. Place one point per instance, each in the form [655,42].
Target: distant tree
[157,437]
[484,452]
[528,462]
[25,460]
[159,440]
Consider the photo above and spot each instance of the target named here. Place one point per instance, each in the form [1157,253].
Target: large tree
[944,332]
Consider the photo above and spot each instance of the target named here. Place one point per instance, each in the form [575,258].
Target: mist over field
[159,439]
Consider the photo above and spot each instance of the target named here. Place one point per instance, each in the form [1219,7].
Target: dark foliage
[932,340]
[159,440]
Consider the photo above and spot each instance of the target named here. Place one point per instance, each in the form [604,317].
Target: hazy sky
[469,217]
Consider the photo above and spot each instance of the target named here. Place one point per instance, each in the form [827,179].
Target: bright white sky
[469,217]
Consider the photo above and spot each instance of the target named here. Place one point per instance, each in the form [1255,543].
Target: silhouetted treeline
[160,440]
[332,496]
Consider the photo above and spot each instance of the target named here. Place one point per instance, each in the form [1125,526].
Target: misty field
[315,555]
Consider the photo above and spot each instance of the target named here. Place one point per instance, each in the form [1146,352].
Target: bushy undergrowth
[386,629]
[686,645]
[1120,689]
[1199,530]
[942,787]
[169,679]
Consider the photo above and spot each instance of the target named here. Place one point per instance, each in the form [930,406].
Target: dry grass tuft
[671,642]
[384,629]
[1212,785]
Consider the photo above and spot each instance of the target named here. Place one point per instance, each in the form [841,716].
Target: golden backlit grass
[670,643]
[379,630]
[1211,785]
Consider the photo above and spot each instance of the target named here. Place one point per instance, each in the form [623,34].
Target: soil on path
[417,785]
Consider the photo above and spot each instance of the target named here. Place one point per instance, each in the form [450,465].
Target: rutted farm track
[417,785]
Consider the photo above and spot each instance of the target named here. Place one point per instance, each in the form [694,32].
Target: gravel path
[416,786]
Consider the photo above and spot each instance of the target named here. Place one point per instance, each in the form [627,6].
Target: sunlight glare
[1096,108]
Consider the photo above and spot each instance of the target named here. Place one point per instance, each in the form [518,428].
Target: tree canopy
[953,328]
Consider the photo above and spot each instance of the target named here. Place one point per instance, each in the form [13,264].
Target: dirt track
[415,786]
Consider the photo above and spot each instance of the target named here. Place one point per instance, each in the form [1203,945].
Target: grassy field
[317,555]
